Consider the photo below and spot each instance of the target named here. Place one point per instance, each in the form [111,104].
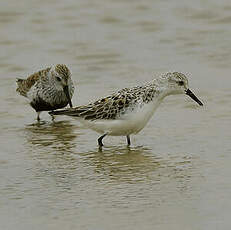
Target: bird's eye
[180,83]
[58,78]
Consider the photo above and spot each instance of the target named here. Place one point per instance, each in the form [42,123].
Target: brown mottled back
[24,85]
[113,106]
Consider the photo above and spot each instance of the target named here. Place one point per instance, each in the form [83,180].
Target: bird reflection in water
[125,164]
[138,164]
[57,135]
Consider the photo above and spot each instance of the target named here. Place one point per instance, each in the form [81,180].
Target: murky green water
[176,175]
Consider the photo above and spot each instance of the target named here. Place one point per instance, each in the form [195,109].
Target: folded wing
[109,107]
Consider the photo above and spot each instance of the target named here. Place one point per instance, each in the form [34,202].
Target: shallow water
[176,174]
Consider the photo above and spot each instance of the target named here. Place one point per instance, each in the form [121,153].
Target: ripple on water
[196,14]
[136,164]
[110,20]
[222,20]
[104,58]
[149,26]
[17,68]
[9,16]
[58,136]
[98,56]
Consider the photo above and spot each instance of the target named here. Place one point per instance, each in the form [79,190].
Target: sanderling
[48,89]
[128,111]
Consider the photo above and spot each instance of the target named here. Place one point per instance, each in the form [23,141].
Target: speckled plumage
[45,88]
[116,105]
[128,111]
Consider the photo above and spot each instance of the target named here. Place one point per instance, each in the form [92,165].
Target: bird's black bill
[66,91]
[192,95]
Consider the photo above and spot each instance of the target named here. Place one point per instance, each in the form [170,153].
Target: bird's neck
[161,91]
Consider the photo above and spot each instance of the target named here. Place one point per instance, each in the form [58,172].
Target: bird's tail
[19,81]
[21,86]
[68,112]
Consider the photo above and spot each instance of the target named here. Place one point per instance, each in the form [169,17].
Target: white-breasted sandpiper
[127,111]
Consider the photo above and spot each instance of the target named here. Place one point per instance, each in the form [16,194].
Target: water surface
[176,174]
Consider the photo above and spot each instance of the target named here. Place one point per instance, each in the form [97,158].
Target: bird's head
[177,83]
[61,76]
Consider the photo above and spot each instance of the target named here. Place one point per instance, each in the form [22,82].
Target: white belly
[131,123]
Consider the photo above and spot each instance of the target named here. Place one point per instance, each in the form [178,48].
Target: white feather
[131,123]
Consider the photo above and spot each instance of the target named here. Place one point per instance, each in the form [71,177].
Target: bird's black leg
[52,116]
[100,140]
[128,140]
[38,118]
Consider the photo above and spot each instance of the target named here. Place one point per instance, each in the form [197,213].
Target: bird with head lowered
[127,111]
[48,89]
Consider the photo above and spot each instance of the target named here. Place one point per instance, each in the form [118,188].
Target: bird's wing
[24,85]
[108,108]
